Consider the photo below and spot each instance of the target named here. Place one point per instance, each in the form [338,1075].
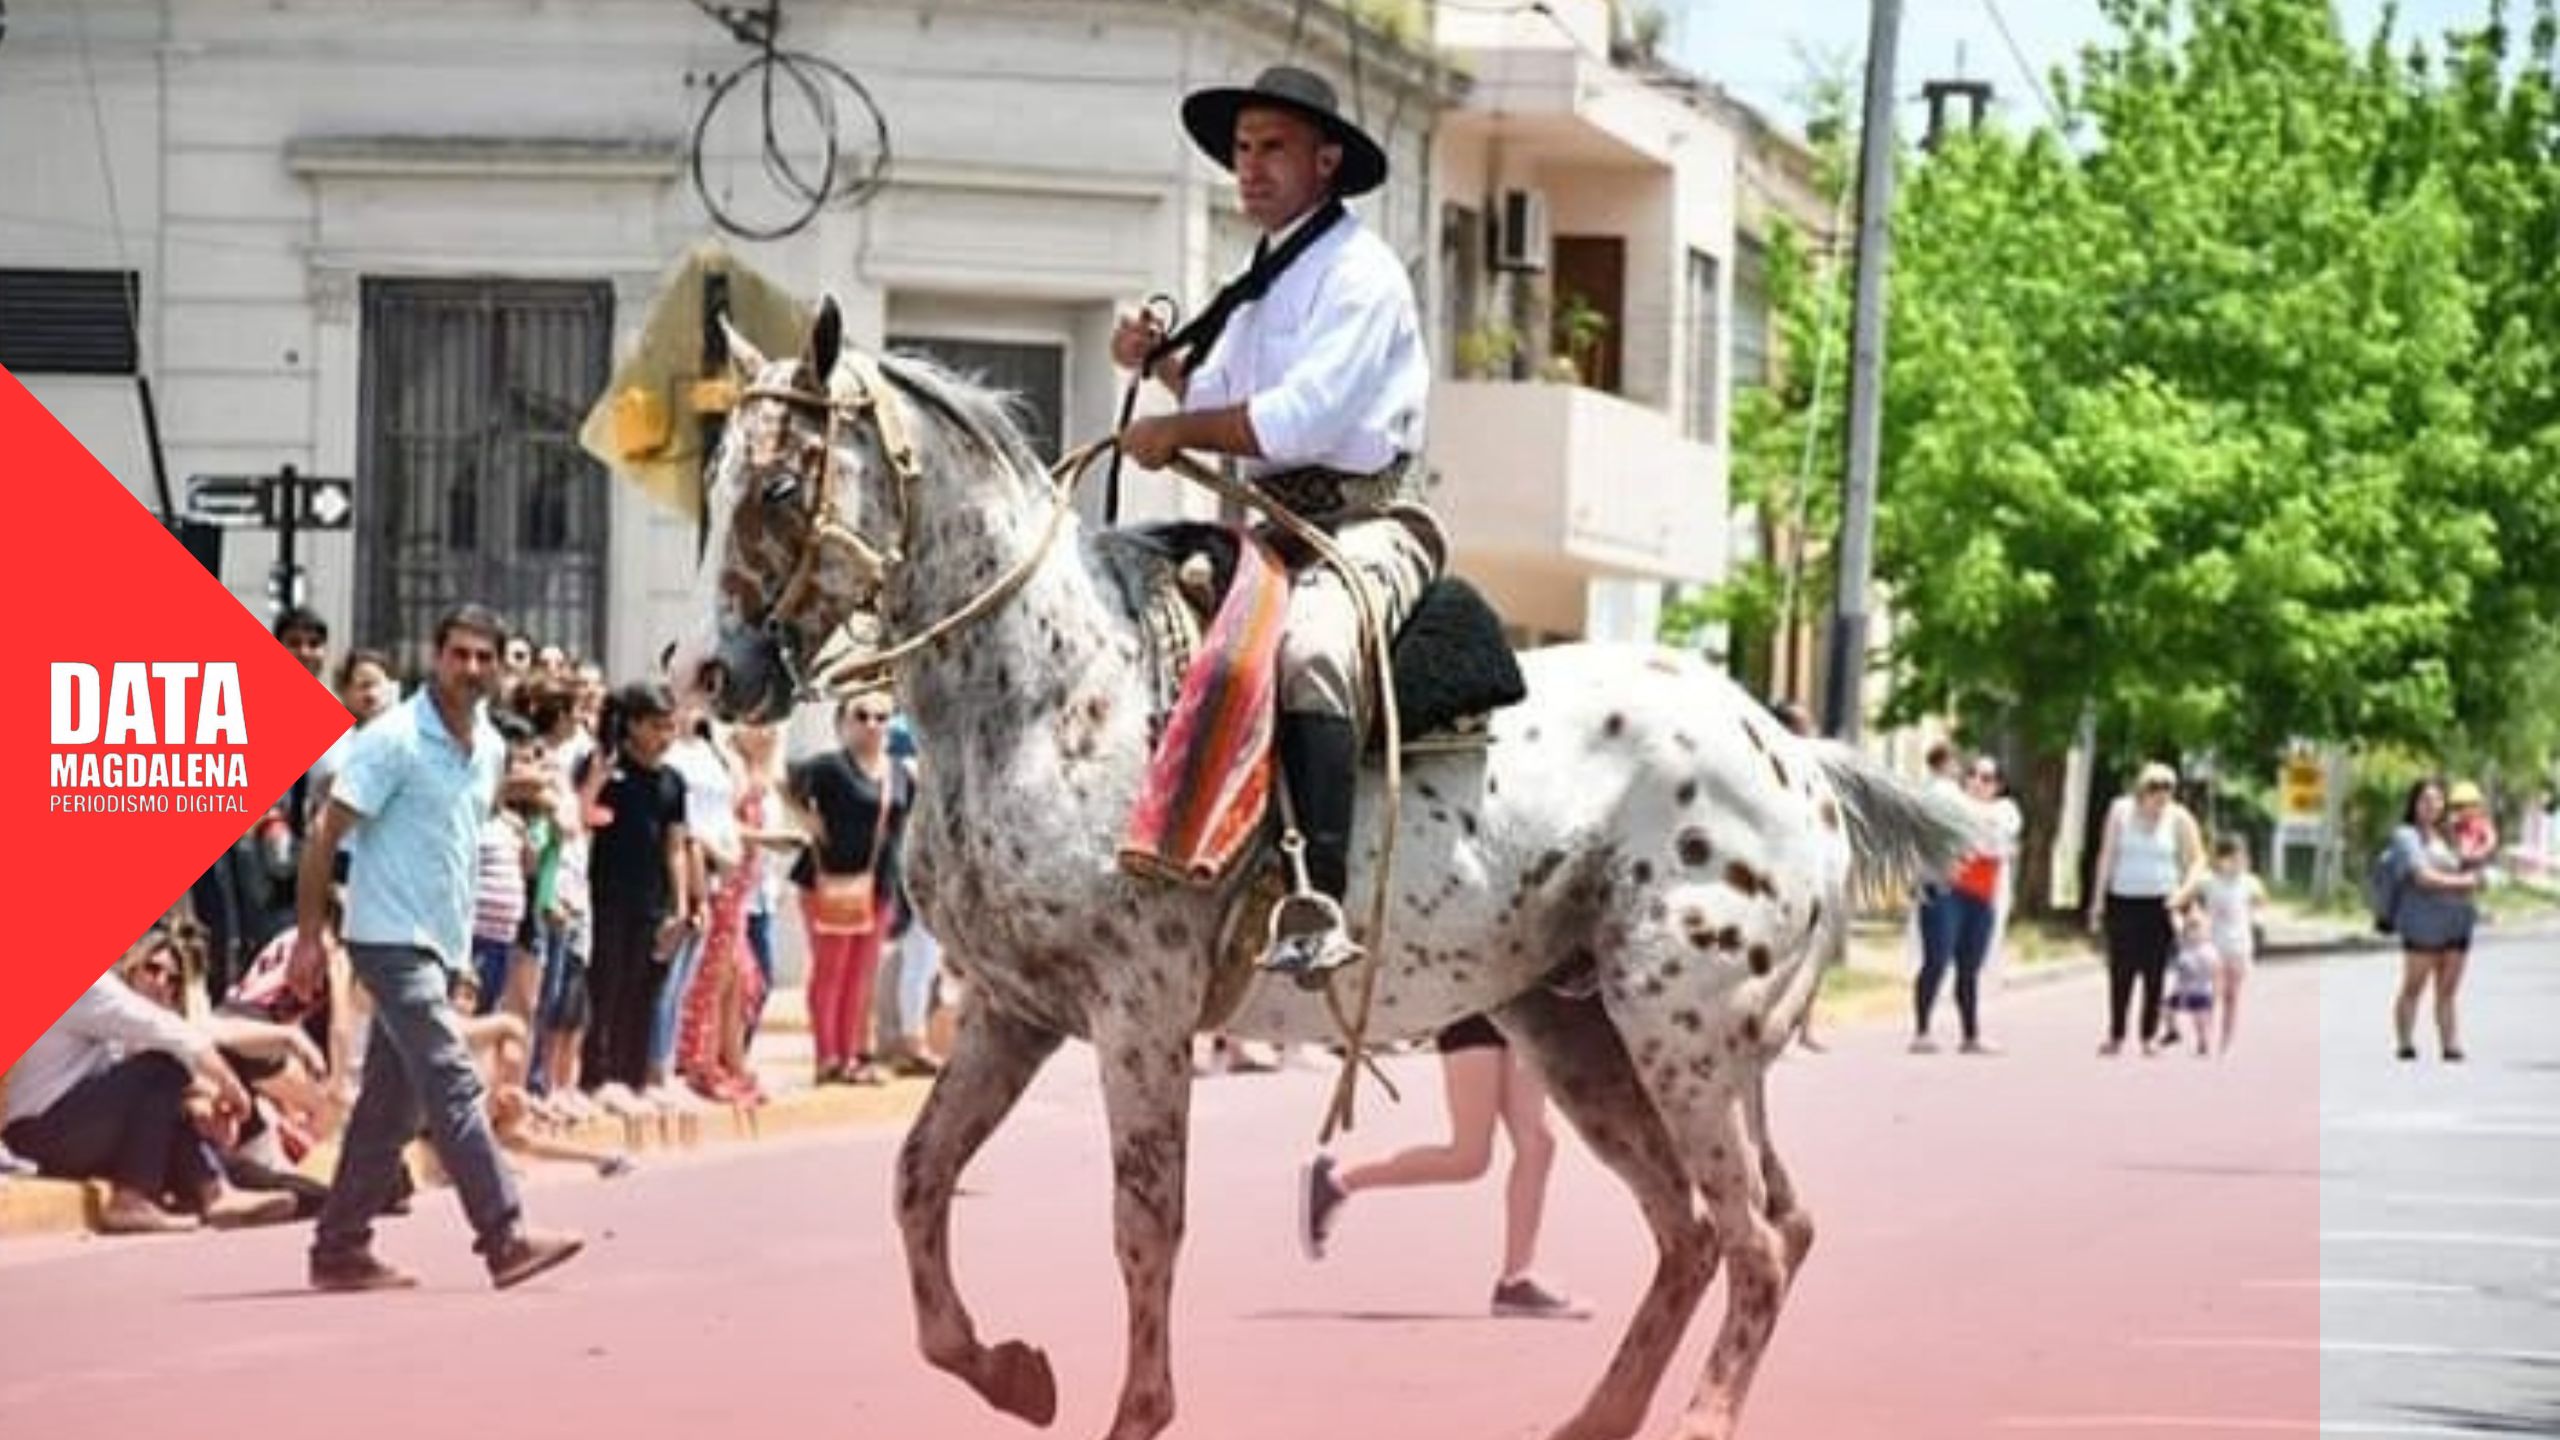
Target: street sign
[231,501]
[328,503]
[322,502]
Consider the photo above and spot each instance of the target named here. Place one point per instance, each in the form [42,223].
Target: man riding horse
[1308,370]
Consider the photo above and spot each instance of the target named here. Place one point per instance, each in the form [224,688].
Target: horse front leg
[1146,1088]
[993,1059]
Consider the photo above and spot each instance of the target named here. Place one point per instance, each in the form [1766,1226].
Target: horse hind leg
[1723,1154]
[1794,1223]
[993,1059]
[1588,1072]
[1700,1057]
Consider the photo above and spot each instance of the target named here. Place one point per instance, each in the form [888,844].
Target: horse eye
[781,489]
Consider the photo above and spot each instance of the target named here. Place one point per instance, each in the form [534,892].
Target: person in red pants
[854,804]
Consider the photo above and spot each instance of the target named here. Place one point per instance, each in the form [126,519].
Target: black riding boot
[1320,762]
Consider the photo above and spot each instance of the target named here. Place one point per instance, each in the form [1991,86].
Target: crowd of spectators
[622,955]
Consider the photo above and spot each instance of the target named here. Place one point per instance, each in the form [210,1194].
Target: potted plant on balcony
[1486,350]
[1580,327]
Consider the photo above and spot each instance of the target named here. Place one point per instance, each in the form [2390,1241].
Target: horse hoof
[1019,1383]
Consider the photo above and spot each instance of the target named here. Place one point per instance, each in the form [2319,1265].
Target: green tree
[2226,412]
[2175,429]
[2487,128]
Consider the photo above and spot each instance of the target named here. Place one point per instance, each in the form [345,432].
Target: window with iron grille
[476,489]
[70,322]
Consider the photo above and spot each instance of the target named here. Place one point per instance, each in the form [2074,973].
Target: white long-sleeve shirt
[1329,364]
[107,1023]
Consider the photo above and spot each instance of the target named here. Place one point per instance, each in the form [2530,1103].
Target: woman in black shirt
[848,881]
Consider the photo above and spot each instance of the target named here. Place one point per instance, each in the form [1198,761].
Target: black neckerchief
[1198,338]
[1195,340]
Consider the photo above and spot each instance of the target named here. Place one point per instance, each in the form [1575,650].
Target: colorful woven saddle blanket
[1213,602]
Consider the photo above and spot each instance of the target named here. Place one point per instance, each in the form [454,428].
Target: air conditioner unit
[1520,240]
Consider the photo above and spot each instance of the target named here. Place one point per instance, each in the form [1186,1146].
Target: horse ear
[745,360]
[826,341]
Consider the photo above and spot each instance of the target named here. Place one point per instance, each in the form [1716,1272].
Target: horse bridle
[864,395]
[867,396]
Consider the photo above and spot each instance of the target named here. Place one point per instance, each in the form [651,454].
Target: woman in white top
[2151,849]
[104,1094]
[2007,826]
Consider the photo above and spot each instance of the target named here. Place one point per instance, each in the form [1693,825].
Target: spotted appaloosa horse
[1638,822]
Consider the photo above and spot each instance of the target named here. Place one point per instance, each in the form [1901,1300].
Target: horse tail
[1899,830]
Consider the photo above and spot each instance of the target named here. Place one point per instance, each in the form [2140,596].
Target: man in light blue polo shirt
[416,784]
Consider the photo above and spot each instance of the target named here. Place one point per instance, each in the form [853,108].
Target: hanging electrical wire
[2026,71]
[850,169]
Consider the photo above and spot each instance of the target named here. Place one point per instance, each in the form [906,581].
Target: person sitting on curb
[280,1065]
[103,1095]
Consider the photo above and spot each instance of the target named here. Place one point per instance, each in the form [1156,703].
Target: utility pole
[288,519]
[1844,695]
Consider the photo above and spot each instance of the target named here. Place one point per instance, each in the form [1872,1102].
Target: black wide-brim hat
[1210,116]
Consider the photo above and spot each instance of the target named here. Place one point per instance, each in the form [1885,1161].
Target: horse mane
[988,418]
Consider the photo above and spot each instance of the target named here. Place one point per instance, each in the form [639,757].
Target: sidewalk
[1882,957]
[784,1061]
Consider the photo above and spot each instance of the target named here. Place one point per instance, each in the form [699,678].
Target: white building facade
[404,241]
[1588,221]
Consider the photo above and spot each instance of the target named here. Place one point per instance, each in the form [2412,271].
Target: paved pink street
[2039,1243]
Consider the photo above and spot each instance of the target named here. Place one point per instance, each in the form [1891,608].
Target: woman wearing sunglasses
[855,807]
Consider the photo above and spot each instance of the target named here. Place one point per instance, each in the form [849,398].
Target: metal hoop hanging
[814,79]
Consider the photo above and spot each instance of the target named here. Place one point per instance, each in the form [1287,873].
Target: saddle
[1211,600]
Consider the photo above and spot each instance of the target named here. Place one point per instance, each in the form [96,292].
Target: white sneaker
[1526,1299]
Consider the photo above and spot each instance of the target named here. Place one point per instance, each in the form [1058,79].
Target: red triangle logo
[151,718]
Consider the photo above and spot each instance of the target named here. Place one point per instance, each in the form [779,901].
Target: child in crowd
[2191,978]
[560,1020]
[529,796]
[498,911]
[2468,823]
[2233,901]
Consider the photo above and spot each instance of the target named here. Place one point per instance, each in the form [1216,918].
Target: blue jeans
[670,1008]
[490,958]
[1962,926]
[551,952]
[415,1061]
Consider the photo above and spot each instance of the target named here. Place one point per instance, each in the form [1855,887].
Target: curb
[30,1206]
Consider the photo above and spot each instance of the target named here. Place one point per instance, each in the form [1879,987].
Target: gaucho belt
[1317,493]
